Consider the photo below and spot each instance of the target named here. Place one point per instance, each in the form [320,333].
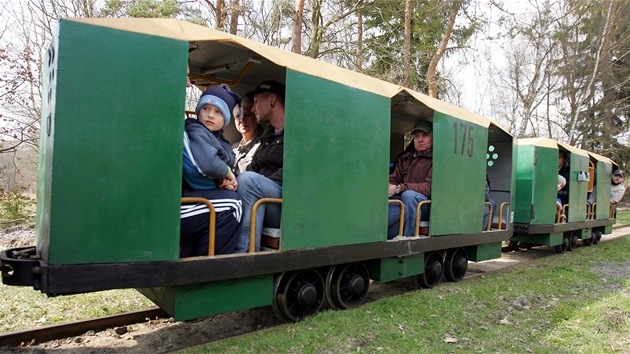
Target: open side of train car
[111,168]
[538,221]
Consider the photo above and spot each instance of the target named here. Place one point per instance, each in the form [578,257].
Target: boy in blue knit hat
[208,163]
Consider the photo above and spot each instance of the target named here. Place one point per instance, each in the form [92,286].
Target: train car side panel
[459,169]
[198,300]
[603,171]
[578,187]
[116,131]
[336,155]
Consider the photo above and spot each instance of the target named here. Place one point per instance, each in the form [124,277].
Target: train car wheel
[597,236]
[561,248]
[513,246]
[456,264]
[329,279]
[276,292]
[350,285]
[572,241]
[301,295]
[433,271]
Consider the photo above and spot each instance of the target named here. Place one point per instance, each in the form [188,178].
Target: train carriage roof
[550,143]
[183,30]
[601,158]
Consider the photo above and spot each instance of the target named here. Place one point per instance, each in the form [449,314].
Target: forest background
[541,68]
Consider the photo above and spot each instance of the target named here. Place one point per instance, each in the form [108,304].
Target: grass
[571,303]
[22,308]
[623,217]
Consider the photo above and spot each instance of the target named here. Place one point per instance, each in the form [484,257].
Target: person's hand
[229,182]
[391,190]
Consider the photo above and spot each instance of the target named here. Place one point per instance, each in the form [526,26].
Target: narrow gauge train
[536,220]
[110,172]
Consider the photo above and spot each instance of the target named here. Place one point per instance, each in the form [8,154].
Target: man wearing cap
[263,178]
[617,189]
[411,180]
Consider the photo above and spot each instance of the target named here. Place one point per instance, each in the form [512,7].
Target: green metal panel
[484,252]
[200,300]
[459,176]
[545,185]
[577,189]
[539,239]
[388,269]
[583,233]
[524,183]
[111,156]
[602,178]
[336,157]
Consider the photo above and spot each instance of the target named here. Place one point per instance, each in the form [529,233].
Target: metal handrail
[252,224]
[402,214]
[213,220]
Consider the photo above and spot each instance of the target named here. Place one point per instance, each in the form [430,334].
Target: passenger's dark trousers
[195,222]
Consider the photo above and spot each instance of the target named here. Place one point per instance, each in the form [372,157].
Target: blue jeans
[410,200]
[251,187]
[486,213]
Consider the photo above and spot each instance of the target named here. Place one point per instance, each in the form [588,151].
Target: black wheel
[456,264]
[573,239]
[276,292]
[329,279]
[349,285]
[597,236]
[513,246]
[299,294]
[561,248]
[433,271]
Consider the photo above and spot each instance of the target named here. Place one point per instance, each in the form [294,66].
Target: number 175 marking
[467,140]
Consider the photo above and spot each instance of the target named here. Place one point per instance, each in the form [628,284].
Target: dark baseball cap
[423,125]
[620,173]
[268,86]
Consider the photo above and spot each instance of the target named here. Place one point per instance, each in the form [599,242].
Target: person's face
[617,179]
[211,117]
[248,123]
[188,84]
[262,107]
[561,160]
[422,141]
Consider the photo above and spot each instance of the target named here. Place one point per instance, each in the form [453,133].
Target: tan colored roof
[183,30]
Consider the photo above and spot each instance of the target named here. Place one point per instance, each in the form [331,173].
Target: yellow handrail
[402,214]
[424,202]
[213,218]
[504,204]
[489,216]
[252,224]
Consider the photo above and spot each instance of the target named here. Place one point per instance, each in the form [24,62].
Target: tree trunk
[407,45]
[448,31]
[235,13]
[296,37]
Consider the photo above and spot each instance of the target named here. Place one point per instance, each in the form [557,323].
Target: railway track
[71,329]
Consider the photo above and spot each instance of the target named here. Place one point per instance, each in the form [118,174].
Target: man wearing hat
[411,180]
[263,178]
[617,189]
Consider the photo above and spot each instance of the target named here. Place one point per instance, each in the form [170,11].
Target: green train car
[537,219]
[110,176]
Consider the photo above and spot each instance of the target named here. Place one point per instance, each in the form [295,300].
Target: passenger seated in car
[561,183]
[411,181]
[207,173]
[486,211]
[617,189]
[263,178]
[563,170]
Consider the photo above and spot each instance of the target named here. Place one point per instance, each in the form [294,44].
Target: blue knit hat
[224,99]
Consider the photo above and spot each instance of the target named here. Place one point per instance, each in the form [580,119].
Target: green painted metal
[536,179]
[484,252]
[603,171]
[577,189]
[539,239]
[388,269]
[607,230]
[336,157]
[111,148]
[583,233]
[199,300]
[459,176]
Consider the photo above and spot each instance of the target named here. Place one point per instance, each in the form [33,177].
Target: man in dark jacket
[263,178]
[411,180]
